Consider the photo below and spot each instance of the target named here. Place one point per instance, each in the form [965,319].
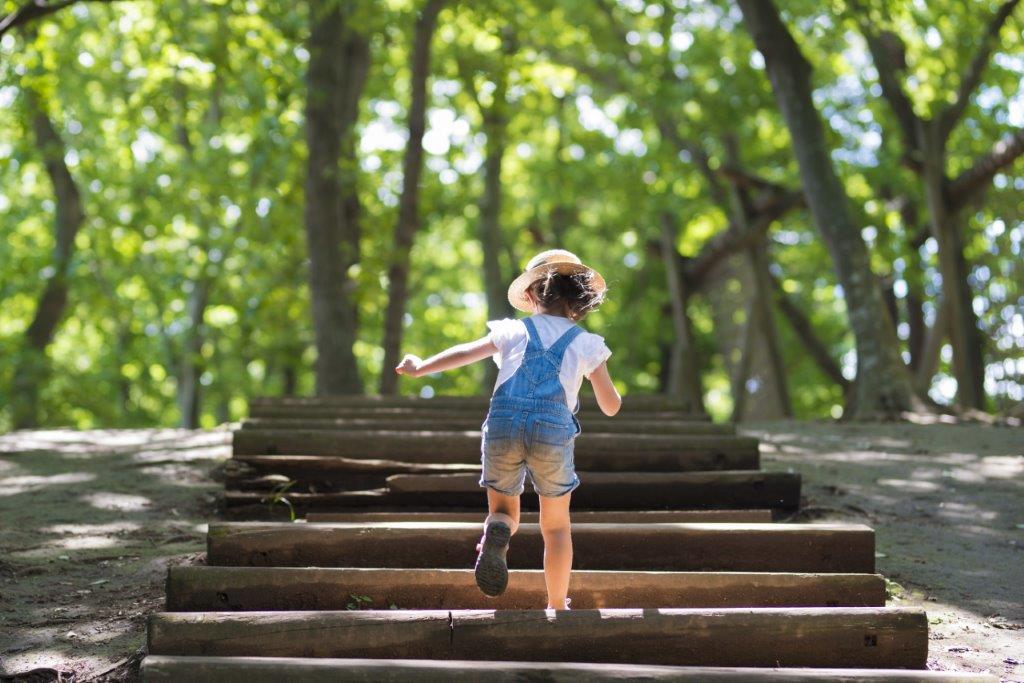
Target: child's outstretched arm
[608,399]
[456,356]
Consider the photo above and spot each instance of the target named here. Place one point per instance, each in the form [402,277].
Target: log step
[418,458]
[639,517]
[416,422]
[591,419]
[656,547]
[862,637]
[593,451]
[600,491]
[197,589]
[158,669]
[638,402]
[629,490]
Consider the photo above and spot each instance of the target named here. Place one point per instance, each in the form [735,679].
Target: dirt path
[89,522]
[947,504]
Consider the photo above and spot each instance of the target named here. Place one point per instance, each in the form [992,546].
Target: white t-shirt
[586,352]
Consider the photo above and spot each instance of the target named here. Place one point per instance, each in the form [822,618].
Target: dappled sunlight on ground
[947,503]
[12,486]
[106,500]
[91,521]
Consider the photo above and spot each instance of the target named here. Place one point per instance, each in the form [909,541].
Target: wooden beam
[595,452]
[637,517]
[655,547]
[197,589]
[600,491]
[472,422]
[160,669]
[811,637]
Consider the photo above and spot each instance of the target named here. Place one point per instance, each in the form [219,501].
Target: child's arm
[456,356]
[608,398]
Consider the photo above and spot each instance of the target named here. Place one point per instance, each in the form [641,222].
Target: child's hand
[410,365]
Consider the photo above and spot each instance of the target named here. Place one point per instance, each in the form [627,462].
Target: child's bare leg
[554,526]
[502,508]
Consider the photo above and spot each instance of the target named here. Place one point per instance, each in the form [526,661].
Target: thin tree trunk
[804,330]
[684,381]
[191,361]
[745,346]
[931,348]
[33,365]
[408,207]
[883,384]
[338,64]
[769,331]
[968,362]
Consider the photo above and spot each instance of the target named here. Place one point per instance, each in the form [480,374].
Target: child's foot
[491,569]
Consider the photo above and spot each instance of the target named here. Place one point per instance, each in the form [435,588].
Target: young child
[531,425]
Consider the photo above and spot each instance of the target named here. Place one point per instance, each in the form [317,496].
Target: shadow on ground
[947,504]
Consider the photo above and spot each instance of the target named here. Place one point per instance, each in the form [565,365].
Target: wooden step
[664,547]
[638,517]
[596,452]
[590,418]
[600,491]
[161,669]
[197,589]
[863,637]
[472,421]
[418,458]
[461,421]
[638,402]
[629,490]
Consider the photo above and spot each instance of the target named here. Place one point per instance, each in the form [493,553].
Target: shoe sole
[491,569]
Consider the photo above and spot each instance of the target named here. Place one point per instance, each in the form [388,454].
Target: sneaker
[491,570]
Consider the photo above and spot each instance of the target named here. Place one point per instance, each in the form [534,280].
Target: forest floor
[91,520]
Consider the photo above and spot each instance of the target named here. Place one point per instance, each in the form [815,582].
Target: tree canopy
[611,128]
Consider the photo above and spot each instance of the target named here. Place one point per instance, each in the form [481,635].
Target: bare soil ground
[89,522]
[947,505]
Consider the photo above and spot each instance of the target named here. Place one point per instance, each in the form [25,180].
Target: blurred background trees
[202,202]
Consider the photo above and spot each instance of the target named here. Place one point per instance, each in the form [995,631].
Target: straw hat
[558,260]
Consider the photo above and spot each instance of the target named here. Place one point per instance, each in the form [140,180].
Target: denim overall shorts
[529,428]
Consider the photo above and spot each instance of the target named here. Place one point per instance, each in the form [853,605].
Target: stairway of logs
[679,571]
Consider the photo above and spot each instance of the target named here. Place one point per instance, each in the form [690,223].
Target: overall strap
[533,336]
[562,343]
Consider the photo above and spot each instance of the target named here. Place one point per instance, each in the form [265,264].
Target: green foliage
[184,129]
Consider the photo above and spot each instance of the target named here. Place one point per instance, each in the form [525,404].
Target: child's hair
[572,294]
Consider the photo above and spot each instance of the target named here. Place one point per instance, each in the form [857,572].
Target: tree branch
[35,9]
[734,238]
[889,54]
[972,77]
[1003,153]
[803,328]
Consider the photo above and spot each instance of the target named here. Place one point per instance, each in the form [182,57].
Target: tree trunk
[804,330]
[968,361]
[191,362]
[684,381]
[33,365]
[408,207]
[338,63]
[883,384]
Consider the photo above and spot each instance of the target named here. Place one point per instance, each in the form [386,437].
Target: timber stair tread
[583,517]
[864,637]
[665,547]
[306,588]
[156,668]
[724,489]
[473,421]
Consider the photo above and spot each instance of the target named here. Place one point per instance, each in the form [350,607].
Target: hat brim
[517,290]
